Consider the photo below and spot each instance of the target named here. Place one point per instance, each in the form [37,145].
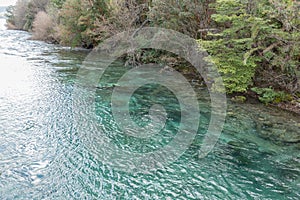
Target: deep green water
[43,155]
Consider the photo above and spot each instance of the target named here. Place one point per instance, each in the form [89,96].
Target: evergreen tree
[256,39]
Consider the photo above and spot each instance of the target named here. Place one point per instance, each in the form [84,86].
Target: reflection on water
[43,157]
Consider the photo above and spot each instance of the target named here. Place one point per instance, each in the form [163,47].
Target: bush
[69,30]
[79,22]
[42,27]
[33,7]
[257,40]
[269,95]
[192,18]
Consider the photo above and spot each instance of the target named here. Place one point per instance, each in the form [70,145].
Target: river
[42,155]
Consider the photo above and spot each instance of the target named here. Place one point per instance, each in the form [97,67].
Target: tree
[20,14]
[257,42]
[189,17]
[78,22]
[10,18]
[33,7]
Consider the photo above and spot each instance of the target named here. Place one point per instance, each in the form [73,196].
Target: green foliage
[269,95]
[78,19]
[253,37]
[231,48]
[97,12]
[30,15]
[70,29]
[280,46]
[58,3]
[252,42]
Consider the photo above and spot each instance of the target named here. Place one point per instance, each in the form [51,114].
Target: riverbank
[292,106]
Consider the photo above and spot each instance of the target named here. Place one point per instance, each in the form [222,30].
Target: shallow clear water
[42,155]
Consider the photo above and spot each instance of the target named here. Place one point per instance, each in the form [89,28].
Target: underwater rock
[278,132]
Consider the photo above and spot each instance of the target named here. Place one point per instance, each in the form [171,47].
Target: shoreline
[289,106]
[250,97]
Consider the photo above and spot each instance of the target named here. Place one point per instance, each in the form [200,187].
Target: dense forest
[254,43]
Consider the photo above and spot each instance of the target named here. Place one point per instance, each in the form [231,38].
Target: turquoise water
[43,155]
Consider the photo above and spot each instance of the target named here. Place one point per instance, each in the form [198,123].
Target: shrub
[33,7]
[269,95]
[189,17]
[256,39]
[42,26]
[69,29]
[78,22]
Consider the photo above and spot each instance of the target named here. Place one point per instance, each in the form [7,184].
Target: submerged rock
[278,132]
[270,124]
